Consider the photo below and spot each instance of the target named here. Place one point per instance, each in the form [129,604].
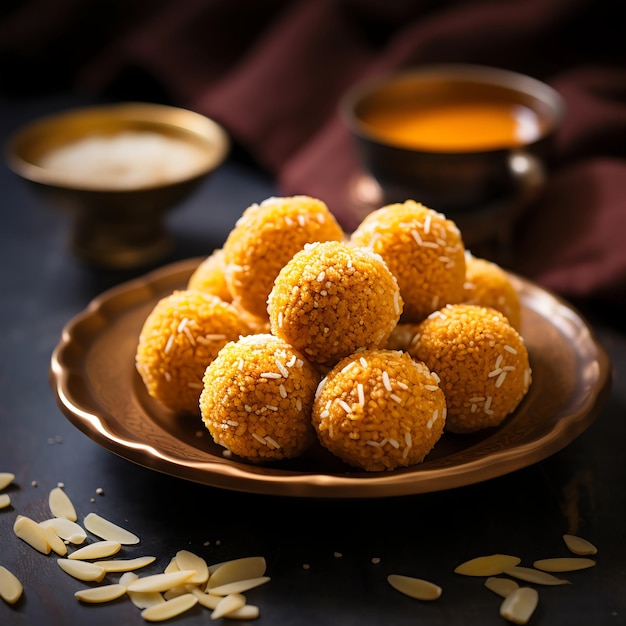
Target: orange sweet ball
[264,238]
[209,277]
[378,410]
[487,284]
[481,360]
[423,250]
[332,299]
[182,334]
[257,397]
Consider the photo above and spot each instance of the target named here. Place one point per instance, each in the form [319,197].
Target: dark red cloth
[273,71]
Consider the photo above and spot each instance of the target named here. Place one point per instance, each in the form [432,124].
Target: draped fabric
[273,72]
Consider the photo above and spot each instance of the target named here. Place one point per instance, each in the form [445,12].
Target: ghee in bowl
[128,159]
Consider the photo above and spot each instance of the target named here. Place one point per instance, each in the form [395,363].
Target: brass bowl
[459,181]
[118,222]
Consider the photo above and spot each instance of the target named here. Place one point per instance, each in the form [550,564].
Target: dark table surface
[580,489]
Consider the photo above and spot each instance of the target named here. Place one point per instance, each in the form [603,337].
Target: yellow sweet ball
[487,284]
[257,397]
[209,277]
[181,335]
[331,299]
[265,238]
[378,410]
[481,360]
[423,249]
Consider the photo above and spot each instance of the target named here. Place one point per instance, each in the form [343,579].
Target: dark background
[71,55]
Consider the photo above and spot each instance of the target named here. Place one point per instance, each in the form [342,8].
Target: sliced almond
[61,505]
[519,605]
[491,565]
[578,545]
[414,587]
[174,592]
[28,530]
[106,593]
[142,600]
[161,582]
[186,560]
[247,611]
[66,529]
[55,542]
[82,570]
[227,605]
[563,564]
[239,586]
[126,565]
[105,529]
[6,478]
[536,576]
[237,569]
[145,599]
[207,600]
[10,587]
[172,566]
[5,500]
[96,550]
[166,610]
[126,578]
[502,586]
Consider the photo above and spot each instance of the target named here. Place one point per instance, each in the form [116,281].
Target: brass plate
[97,387]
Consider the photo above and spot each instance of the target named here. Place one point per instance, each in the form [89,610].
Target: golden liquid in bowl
[470,125]
[125,160]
